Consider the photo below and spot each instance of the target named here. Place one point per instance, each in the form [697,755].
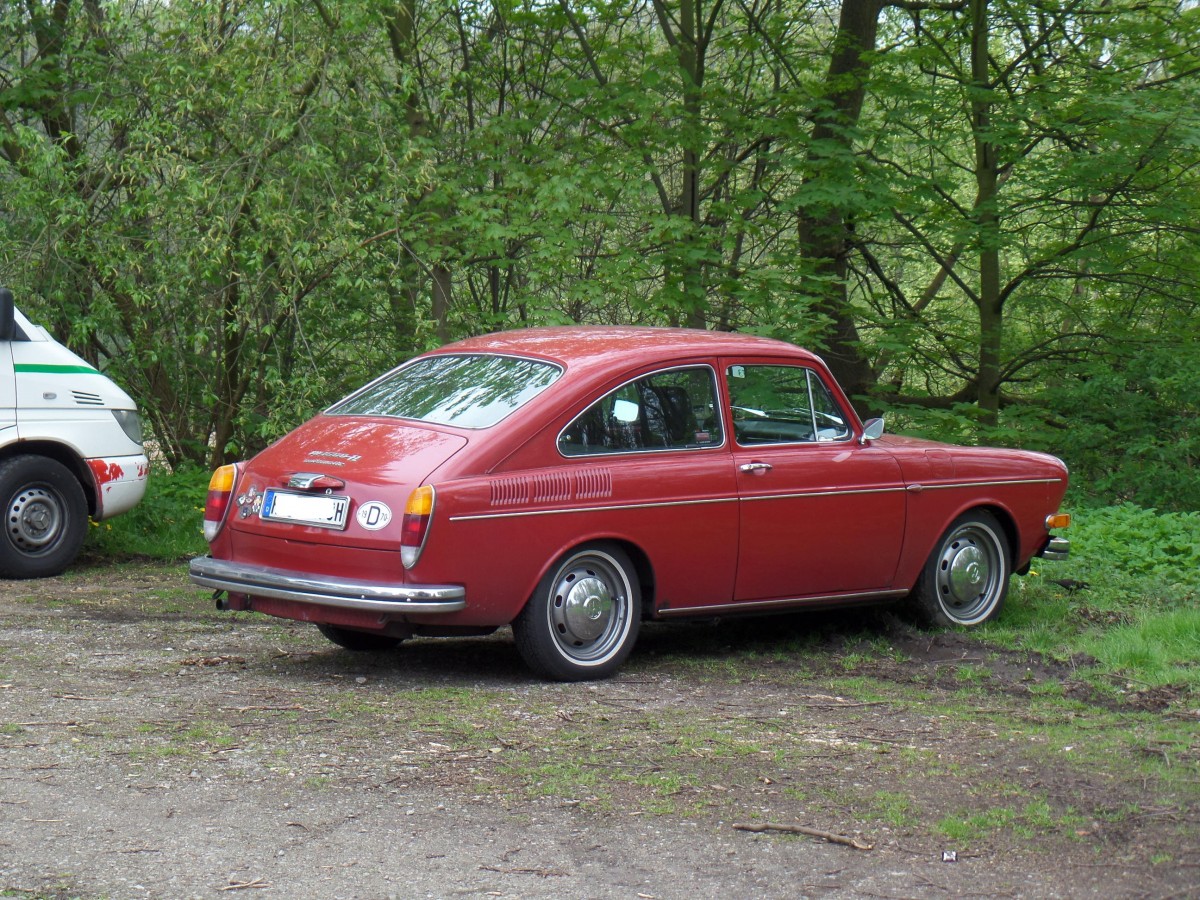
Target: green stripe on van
[55,370]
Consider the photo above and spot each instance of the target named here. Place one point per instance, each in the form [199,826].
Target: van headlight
[130,422]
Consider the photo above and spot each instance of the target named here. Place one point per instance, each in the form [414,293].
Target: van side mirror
[872,431]
[7,318]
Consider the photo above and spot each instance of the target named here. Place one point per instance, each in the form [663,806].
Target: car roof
[584,346]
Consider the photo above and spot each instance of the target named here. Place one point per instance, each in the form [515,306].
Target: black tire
[583,619]
[965,580]
[45,517]
[359,641]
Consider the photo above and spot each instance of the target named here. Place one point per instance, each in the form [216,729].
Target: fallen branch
[811,832]
[541,873]
[242,885]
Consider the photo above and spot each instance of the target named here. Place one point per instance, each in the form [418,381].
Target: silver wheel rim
[589,610]
[971,573]
[35,519]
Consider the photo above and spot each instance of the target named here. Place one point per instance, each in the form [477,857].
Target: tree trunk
[991,306]
[824,230]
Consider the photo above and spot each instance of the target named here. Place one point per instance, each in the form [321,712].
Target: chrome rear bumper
[322,590]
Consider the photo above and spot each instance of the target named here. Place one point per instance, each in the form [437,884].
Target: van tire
[44,517]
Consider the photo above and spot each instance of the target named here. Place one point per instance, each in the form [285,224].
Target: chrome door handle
[755,467]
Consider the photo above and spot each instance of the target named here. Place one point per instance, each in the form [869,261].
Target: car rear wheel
[359,641]
[583,619]
[45,517]
[965,580]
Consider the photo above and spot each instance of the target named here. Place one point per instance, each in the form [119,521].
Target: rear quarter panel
[499,534]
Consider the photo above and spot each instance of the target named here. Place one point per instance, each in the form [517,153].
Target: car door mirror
[872,431]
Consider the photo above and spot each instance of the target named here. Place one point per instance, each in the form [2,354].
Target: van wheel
[45,517]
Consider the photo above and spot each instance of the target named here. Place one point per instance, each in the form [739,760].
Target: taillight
[220,492]
[415,527]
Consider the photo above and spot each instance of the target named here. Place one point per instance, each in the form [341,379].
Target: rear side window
[467,391]
[672,410]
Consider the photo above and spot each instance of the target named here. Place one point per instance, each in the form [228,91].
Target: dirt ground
[150,747]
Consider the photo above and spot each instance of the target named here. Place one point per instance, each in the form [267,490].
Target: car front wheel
[583,619]
[45,517]
[965,579]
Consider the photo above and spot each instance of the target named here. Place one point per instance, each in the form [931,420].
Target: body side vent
[509,491]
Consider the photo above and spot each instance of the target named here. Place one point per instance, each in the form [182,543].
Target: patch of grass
[1126,604]
[1033,819]
[895,809]
[165,525]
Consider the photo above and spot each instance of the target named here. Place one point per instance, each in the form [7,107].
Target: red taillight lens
[415,527]
[220,492]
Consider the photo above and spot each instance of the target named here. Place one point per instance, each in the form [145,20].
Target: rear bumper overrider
[323,590]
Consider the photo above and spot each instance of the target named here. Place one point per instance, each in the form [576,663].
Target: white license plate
[320,510]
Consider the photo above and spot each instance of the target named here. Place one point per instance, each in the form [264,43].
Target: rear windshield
[475,391]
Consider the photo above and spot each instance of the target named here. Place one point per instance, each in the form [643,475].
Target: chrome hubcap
[589,610]
[968,570]
[34,519]
[970,573]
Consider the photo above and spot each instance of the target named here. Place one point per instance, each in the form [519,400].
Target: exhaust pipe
[221,600]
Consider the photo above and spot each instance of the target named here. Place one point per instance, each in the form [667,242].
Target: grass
[1130,610]
[165,525]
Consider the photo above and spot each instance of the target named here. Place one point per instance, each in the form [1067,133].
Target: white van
[70,448]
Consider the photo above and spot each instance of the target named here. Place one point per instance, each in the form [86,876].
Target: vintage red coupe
[571,482]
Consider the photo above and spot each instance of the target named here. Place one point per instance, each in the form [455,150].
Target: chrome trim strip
[803,494]
[842,493]
[922,486]
[592,509]
[775,604]
[345,593]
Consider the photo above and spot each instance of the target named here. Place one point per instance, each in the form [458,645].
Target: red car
[571,482]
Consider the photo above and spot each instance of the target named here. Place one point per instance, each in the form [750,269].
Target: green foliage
[1131,601]
[165,525]
[243,211]
[1160,549]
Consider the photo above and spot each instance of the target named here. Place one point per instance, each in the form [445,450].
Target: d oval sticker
[374,515]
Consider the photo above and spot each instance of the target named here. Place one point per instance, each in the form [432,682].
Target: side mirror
[7,318]
[872,431]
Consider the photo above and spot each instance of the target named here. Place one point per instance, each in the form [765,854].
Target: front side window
[783,405]
[468,391]
[672,410]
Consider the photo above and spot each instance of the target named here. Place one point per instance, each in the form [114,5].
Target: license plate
[319,510]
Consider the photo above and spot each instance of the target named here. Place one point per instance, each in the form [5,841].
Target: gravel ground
[151,748]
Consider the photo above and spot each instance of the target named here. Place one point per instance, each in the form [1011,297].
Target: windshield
[475,391]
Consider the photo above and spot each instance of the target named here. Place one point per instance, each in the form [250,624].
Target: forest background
[984,214]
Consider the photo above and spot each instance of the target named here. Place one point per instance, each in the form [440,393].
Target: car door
[821,514]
